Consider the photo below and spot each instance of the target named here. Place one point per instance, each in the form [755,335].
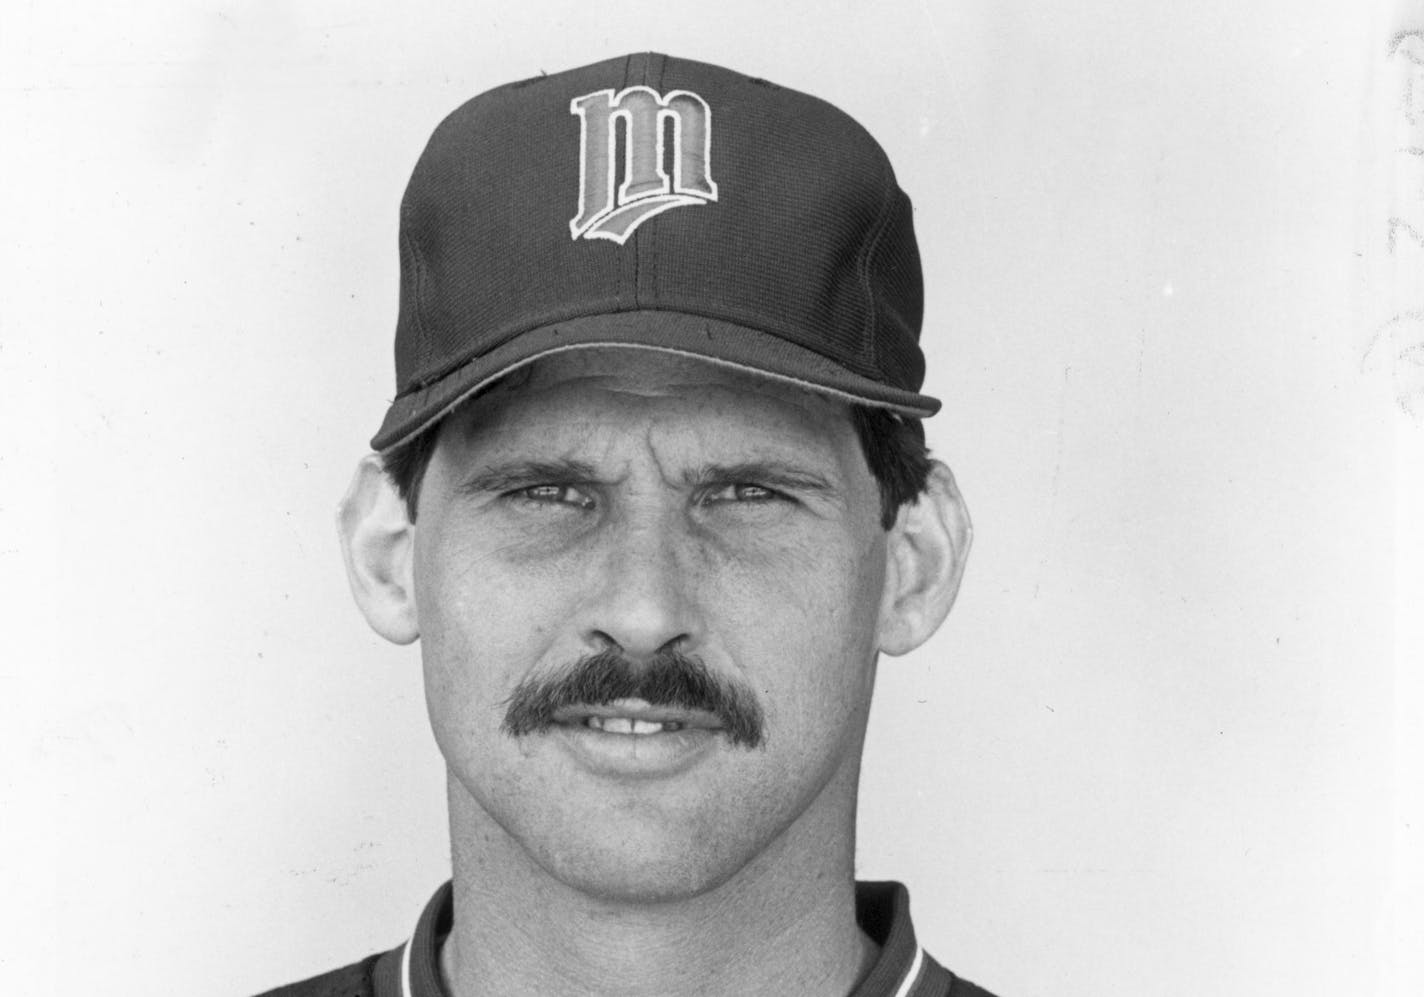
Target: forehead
[584,391]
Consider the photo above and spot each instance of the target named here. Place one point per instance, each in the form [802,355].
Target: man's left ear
[926,551]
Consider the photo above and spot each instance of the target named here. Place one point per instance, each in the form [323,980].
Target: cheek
[466,590]
[802,630]
[481,632]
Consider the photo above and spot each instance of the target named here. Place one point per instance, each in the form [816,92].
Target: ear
[378,542]
[925,554]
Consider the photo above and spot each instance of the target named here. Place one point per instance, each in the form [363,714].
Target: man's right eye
[554,495]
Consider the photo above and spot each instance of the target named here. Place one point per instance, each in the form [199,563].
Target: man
[654,496]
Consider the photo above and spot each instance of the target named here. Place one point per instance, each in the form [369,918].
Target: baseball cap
[659,203]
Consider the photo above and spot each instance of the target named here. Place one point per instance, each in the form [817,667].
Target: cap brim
[718,342]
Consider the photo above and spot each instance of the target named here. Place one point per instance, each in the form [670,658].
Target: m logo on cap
[646,190]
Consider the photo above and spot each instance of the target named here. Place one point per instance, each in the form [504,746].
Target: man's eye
[555,495]
[741,493]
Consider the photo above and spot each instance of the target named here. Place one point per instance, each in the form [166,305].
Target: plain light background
[1168,742]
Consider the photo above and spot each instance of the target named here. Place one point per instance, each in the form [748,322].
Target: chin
[642,879]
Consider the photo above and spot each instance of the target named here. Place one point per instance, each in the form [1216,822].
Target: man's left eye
[734,492]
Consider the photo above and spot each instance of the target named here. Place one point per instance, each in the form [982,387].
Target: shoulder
[348,981]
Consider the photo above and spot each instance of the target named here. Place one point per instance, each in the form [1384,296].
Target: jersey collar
[882,908]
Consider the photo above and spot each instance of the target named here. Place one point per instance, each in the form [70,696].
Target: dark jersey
[413,969]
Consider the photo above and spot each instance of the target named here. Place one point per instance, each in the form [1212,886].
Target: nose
[643,591]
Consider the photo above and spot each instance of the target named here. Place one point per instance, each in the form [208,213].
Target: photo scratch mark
[1395,224]
[1396,343]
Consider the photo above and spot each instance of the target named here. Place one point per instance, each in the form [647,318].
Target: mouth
[635,718]
[629,725]
[632,739]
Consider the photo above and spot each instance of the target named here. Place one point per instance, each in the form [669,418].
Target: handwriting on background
[1398,341]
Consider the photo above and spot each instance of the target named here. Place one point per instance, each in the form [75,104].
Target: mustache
[669,678]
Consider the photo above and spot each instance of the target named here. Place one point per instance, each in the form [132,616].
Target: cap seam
[417,267]
[882,225]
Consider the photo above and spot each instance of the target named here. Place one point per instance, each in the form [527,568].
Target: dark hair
[894,449]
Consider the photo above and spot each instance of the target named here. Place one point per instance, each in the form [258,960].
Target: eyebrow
[772,473]
[516,474]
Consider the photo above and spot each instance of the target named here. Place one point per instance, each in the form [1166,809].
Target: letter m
[609,213]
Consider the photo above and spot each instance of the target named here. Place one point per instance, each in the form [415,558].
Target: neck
[784,924]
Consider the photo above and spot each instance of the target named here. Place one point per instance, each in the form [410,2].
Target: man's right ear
[378,542]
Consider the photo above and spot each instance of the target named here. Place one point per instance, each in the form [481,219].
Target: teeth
[630,725]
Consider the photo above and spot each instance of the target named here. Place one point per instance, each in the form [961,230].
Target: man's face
[635,503]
